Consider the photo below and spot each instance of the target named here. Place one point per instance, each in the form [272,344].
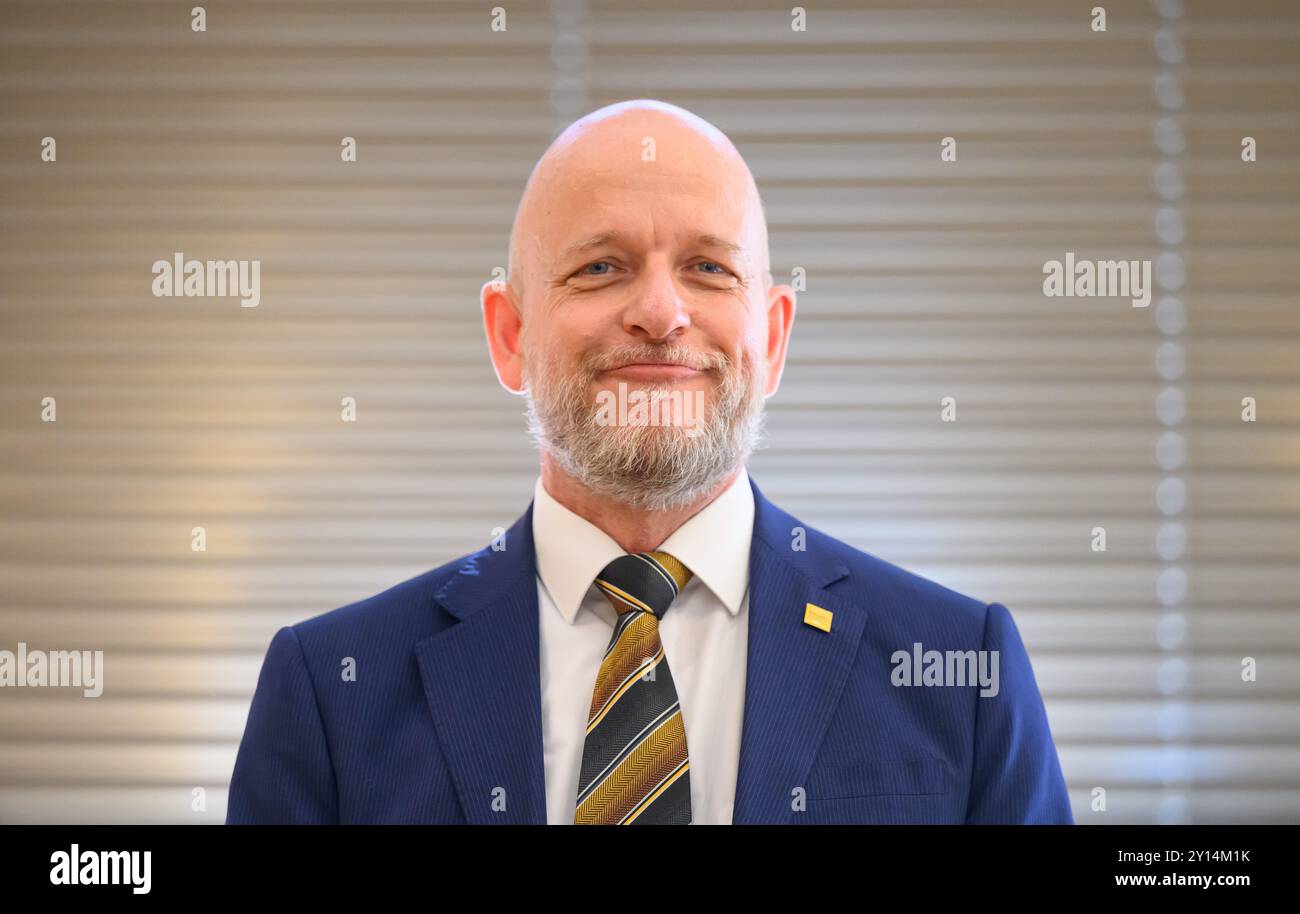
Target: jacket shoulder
[888,584]
[409,609]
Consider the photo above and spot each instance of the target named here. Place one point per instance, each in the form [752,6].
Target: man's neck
[634,529]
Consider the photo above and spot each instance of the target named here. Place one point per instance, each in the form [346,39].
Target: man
[653,641]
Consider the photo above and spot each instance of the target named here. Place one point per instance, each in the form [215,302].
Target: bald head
[636,153]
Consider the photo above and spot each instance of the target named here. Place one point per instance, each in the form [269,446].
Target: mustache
[671,353]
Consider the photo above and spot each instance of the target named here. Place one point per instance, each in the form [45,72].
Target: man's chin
[669,442]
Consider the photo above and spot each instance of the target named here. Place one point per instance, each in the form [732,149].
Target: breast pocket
[880,778]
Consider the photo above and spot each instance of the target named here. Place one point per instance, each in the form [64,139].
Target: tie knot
[643,581]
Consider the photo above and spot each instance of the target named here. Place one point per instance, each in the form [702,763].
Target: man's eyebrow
[603,238]
[594,241]
[714,241]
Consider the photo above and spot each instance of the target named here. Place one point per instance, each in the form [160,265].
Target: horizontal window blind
[923,282]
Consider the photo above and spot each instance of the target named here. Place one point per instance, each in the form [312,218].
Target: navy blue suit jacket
[442,723]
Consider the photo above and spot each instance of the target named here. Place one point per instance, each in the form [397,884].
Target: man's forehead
[624,207]
[611,178]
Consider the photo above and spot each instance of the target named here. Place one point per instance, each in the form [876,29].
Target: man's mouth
[649,372]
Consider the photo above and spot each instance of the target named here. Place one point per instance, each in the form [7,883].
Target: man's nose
[657,310]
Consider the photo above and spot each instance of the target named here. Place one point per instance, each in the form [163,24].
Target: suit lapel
[795,673]
[482,682]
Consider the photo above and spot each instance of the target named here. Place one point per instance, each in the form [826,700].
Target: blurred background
[923,281]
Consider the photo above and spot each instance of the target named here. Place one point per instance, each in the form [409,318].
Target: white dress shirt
[704,634]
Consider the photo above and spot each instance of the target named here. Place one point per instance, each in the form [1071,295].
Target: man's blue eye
[599,263]
[709,263]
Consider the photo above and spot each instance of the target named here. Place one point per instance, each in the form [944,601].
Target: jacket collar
[481,675]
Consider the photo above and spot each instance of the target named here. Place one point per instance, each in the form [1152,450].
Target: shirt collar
[713,544]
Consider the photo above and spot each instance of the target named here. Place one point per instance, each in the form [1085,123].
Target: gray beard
[650,467]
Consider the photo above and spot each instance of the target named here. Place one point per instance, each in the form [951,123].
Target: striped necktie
[635,769]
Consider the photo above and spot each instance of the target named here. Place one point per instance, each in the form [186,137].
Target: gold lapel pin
[817,617]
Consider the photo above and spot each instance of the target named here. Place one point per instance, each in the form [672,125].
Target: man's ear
[503,324]
[780,321]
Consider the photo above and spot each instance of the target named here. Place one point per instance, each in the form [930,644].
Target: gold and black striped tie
[635,769]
